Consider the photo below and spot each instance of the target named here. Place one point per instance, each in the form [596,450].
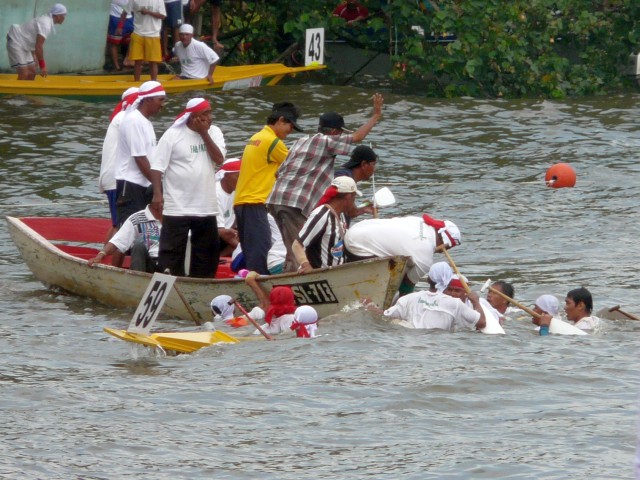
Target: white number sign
[314,47]
[151,303]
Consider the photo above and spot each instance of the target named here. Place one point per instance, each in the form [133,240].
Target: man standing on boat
[145,43]
[183,177]
[25,43]
[262,156]
[308,171]
[136,143]
[197,59]
[415,237]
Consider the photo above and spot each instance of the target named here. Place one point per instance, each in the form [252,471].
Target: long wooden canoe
[56,251]
[225,78]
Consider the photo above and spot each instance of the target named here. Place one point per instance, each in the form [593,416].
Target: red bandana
[281,302]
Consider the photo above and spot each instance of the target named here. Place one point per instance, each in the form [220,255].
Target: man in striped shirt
[320,242]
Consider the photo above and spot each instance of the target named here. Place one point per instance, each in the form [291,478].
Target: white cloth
[408,236]
[141,226]
[107,179]
[281,324]
[25,35]
[222,303]
[226,214]
[189,174]
[431,310]
[548,303]
[588,323]
[146,25]
[136,138]
[117,6]
[440,273]
[195,59]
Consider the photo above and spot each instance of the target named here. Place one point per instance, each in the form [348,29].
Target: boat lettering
[314,293]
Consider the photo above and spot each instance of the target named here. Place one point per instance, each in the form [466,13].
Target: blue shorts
[127,30]
[174,14]
[111,196]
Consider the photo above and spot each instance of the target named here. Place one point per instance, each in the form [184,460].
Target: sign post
[314,47]
[151,303]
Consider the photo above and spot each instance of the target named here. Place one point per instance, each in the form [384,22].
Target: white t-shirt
[141,226]
[189,174]
[426,309]
[408,236]
[226,214]
[25,35]
[588,323]
[117,6]
[107,180]
[136,138]
[195,59]
[146,25]
[281,324]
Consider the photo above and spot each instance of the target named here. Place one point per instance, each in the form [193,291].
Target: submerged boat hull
[328,290]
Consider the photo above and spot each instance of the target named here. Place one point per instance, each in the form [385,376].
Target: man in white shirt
[23,41]
[145,43]
[197,59]
[226,181]
[136,143]
[186,155]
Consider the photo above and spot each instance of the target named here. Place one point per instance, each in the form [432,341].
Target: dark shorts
[131,199]
[174,14]
[215,2]
[127,30]
[112,195]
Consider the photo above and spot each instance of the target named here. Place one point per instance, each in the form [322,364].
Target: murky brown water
[367,399]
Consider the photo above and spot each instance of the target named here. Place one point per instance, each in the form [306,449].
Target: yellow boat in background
[225,78]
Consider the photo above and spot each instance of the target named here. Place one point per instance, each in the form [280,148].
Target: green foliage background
[518,48]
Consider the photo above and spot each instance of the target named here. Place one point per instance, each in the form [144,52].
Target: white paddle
[384,197]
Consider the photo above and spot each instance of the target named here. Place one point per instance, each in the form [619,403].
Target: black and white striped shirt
[322,237]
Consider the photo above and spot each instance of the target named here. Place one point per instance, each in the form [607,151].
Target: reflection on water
[367,398]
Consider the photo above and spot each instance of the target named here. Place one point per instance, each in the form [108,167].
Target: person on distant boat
[279,305]
[25,43]
[119,31]
[415,237]
[136,143]
[433,309]
[226,181]
[140,233]
[197,59]
[262,156]
[107,179]
[320,242]
[145,43]
[578,306]
[183,178]
[351,11]
[308,171]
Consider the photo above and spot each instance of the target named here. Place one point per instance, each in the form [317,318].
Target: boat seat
[87,230]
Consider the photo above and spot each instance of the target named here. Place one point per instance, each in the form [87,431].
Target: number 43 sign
[151,303]
[314,47]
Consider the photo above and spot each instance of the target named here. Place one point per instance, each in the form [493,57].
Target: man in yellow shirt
[261,158]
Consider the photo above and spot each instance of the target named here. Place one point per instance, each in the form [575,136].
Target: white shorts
[18,56]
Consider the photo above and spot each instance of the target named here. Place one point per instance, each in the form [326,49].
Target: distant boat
[57,249]
[225,78]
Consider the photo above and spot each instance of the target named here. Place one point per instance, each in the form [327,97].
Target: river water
[367,399]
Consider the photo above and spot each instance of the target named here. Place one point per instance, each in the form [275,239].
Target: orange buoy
[560,175]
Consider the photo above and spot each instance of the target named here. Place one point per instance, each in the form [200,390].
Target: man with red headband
[226,181]
[279,305]
[415,237]
[136,142]
[187,155]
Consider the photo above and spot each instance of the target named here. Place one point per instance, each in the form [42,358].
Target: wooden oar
[255,324]
[628,315]
[190,309]
[487,285]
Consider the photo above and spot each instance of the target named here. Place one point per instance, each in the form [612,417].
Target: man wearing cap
[145,43]
[136,142]
[361,166]
[262,156]
[415,237]
[308,171]
[25,43]
[187,155]
[197,59]
[107,179]
[433,309]
[321,239]
[226,181]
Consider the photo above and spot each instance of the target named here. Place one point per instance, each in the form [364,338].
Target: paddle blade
[384,197]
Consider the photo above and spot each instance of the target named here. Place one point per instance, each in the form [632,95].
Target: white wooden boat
[56,251]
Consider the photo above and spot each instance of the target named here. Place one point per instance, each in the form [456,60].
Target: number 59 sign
[151,303]
[314,47]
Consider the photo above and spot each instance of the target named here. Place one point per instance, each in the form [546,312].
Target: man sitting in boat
[320,242]
[433,309]
[226,181]
[25,43]
[197,59]
[415,237]
[140,233]
[578,306]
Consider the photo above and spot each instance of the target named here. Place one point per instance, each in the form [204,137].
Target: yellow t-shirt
[261,158]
